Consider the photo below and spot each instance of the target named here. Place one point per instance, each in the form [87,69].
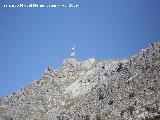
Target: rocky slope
[127,89]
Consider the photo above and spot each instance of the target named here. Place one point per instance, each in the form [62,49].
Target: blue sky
[33,38]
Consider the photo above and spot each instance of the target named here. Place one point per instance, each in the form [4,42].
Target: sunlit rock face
[127,89]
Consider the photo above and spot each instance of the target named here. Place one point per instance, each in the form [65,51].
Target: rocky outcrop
[127,89]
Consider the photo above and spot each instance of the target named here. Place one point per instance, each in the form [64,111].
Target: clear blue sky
[33,38]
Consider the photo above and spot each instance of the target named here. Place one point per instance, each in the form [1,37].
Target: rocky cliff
[127,89]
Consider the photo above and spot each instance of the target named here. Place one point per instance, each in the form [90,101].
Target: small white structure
[73,54]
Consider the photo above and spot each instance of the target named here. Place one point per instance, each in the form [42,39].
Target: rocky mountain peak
[127,89]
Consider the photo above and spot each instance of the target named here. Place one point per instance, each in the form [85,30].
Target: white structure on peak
[73,52]
[72,60]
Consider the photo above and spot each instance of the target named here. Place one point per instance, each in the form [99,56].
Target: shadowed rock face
[127,89]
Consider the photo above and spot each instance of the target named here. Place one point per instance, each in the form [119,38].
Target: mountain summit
[127,89]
